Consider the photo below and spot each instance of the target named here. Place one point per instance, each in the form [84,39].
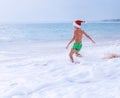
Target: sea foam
[42,70]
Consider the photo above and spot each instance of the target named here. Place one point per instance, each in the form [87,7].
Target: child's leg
[111,56]
[78,54]
[71,54]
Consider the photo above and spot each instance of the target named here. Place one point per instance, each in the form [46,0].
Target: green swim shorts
[77,46]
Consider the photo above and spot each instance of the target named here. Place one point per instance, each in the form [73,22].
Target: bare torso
[78,35]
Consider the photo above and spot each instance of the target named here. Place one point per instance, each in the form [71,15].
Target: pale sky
[58,10]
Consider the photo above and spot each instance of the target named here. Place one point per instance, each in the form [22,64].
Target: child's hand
[67,47]
[93,42]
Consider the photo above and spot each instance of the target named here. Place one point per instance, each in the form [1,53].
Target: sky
[58,10]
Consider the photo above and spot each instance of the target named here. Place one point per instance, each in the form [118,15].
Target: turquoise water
[103,31]
[56,31]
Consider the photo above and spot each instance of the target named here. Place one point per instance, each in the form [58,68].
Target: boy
[77,38]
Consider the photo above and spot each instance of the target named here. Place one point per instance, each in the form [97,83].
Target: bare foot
[78,55]
[77,62]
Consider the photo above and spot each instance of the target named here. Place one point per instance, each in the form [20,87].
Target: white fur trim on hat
[76,25]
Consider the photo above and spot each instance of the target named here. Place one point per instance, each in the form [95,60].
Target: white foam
[43,70]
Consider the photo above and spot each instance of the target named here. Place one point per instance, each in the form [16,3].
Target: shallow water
[31,71]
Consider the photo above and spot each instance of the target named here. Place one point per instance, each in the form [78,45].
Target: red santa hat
[77,23]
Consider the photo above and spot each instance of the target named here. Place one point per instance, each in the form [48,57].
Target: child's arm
[73,38]
[88,37]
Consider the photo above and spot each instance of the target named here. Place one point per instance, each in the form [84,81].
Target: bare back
[78,35]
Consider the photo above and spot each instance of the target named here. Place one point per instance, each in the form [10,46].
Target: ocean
[56,31]
[34,62]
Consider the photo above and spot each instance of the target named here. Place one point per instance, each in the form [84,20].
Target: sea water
[35,32]
[56,31]
[35,64]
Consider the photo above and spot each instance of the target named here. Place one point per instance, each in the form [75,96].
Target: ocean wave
[33,70]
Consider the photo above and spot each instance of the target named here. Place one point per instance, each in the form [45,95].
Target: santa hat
[77,23]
